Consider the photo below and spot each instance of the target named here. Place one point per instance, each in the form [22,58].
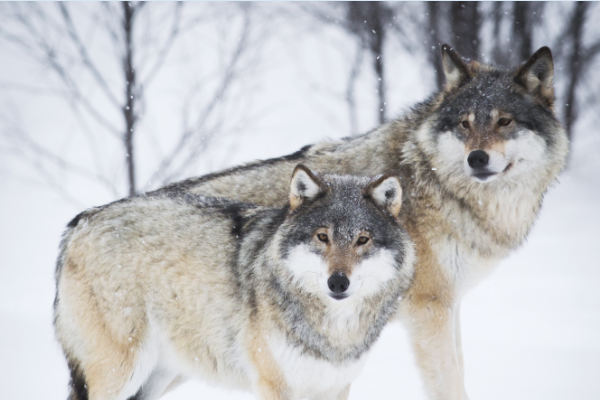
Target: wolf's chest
[464,264]
[308,376]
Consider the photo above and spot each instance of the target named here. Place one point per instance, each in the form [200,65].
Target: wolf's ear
[455,69]
[387,193]
[537,76]
[305,185]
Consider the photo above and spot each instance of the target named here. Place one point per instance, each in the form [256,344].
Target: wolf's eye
[466,124]
[362,240]
[323,237]
[504,121]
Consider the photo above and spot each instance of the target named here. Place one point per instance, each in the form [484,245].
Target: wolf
[283,301]
[475,160]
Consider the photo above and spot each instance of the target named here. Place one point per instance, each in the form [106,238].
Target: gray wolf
[475,161]
[284,301]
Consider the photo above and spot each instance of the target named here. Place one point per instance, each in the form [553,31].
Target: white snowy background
[530,331]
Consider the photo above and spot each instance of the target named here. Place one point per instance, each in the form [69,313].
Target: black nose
[338,283]
[478,159]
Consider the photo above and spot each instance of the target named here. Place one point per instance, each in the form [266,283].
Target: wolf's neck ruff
[501,213]
[324,333]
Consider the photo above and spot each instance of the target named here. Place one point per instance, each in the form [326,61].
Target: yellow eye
[504,121]
[362,240]
[323,237]
[466,124]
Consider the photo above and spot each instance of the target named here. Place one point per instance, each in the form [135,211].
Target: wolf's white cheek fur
[374,272]
[450,150]
[527,152]
[497,162]
[308,269]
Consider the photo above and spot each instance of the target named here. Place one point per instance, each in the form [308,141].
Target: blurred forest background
[126,97]
[100,101]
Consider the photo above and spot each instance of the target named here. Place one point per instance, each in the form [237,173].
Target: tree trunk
[522,30]
[377,43]
[435,57]
[367,20]
[128,109]
[574,64]
[350,96]
[465,23]
[498,52]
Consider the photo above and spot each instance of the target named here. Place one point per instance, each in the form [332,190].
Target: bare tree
[499,52]
[434,32]
[131,91]
[579,60]
[455,23]
[523,18]
[369,24]
[465,25]
[139,37]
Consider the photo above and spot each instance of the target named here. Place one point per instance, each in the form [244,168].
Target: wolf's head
[491,124]
[342,238]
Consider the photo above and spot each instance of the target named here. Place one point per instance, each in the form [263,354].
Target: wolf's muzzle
[478,159]
[338,283]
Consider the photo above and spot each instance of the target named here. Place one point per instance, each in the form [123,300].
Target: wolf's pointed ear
[305,185]
[387,193]
[537,76]
[455,69]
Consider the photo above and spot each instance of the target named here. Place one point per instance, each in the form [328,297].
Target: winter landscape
[217,85]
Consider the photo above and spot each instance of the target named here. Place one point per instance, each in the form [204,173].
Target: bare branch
[85,58]
[227,77]
[350,95]
[41,155]
[49,57]
[166,48]
[591,52]
[109,17]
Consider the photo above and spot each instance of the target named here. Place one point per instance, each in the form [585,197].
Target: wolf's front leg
[431,324]
[458,337]
[270,382]
[344,394]
[334,394]
[269,389]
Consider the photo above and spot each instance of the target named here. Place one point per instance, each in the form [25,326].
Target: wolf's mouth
[340,296]
[482,176]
